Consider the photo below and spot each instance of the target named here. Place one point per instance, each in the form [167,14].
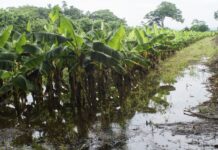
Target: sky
[134,10]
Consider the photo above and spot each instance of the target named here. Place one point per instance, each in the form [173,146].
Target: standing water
[158,130]
[152,117]
[190,90]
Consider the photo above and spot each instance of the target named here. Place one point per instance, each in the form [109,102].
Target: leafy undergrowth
[173,66]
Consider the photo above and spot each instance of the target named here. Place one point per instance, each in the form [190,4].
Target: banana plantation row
[67,67]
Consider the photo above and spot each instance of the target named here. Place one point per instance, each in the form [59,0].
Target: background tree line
[167,9]
[38,17]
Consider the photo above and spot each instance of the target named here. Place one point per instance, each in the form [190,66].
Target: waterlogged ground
[163,133]
[168,128]
[152,117]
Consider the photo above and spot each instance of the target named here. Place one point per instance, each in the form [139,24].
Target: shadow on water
[132,124]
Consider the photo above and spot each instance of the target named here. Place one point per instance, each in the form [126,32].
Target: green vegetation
[20,16]
[61,68]
[165,9]
[67,65]
[38,16]
[216,15]
[200,26]
[173,66]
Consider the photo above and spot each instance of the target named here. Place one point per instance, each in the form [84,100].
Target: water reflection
[129,124]
[190,91]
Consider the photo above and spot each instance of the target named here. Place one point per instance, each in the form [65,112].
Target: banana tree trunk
[101,86]
[72,82]
[57,82]
[50,91]
[162,22]
[92,89]
[17,104]
[36,77]
[1,84]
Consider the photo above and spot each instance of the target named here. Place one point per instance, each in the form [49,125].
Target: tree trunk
[17,103]
[1,84]
[72,82]
[50,91]
[91,89]
[57,81]
[162,22]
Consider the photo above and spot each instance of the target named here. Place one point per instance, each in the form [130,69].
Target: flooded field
[163,133]
[82,78]
[154,119]
[160,130]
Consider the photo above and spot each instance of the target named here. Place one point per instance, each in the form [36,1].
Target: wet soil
[151,118]
[203,132]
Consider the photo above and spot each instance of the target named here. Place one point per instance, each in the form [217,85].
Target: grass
[173,66]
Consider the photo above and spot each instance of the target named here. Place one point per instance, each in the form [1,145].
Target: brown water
[190,91]
[147,120]
[141,132]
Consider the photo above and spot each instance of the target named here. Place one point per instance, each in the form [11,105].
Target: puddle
[141,131]
[190,91]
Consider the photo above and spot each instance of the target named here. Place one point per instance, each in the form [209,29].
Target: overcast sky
[134,10]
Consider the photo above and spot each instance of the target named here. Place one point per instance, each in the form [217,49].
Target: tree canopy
[21,15]
[198,25]
[165,9]
[71,11]
[38,17]
[216,15]
[107,16]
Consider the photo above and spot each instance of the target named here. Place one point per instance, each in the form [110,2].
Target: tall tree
[71,11]
[165,9]
[108,17]
[216,15]
[198,25]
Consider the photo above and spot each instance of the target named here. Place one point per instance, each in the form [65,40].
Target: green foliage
[36,18]
[66,28]
[54,14]
[28,28]
[100,47]
[21,41]
[200,26]
[49,37]
[65,61]
[21,82]
[73,13]
[106,15]
[117,39]
[216,15]
[4,75]
[5,34]
[165,9]
[34,62]
[31,49]
[86,24]
[20,16]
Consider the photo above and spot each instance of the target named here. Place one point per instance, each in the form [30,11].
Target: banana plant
[64,63]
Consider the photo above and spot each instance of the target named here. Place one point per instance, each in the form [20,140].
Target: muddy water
[190,90]
[151,118]
[156,130]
